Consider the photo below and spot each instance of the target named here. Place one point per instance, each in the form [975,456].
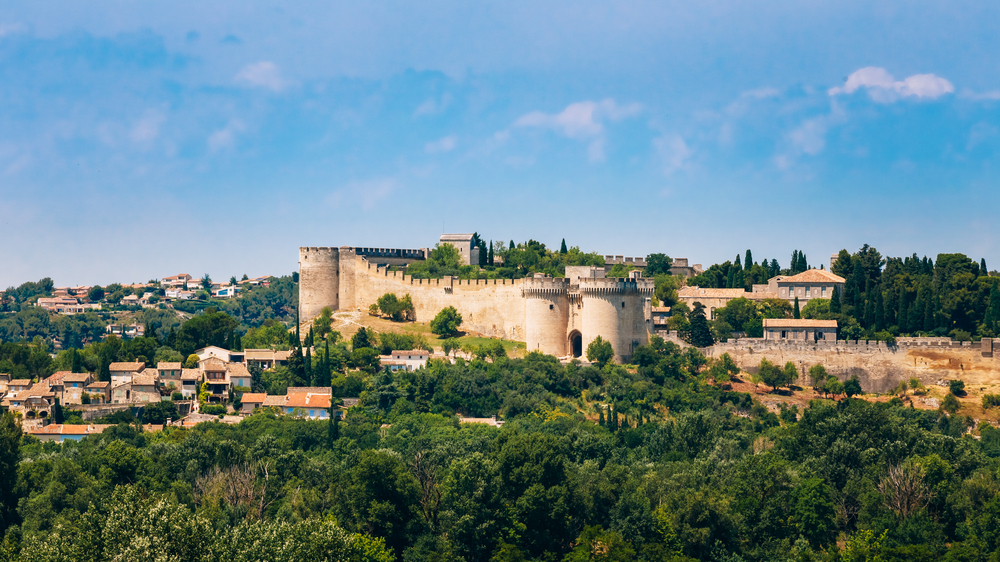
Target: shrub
[956,387]
[446,323]
[176,396]
[950,404]
[213,409]
[991,401]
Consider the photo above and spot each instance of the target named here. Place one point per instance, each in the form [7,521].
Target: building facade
[800,330]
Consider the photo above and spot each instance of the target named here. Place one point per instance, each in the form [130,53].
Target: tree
[362,338]
[10,457]
[658,264]
[206,282]
[600,352]
[447,322]
[595,544]
[562,247]
[323,323]
[853,386]
[700,334]
[789,374]
[723,369]
[835,300]
[818,375]
[770,374]
[192,361]
[96,293]
[491,254]
[449,345]
[956,387]
[795,310]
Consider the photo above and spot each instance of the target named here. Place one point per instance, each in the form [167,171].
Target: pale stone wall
[319,276]
[546,307]
[618,311]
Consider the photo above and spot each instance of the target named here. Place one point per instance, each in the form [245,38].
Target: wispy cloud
[447,144]
[433,105]
[580,121]
[884,88]
[147,128]
[673,152]
[263,74]
[991,95]
[11,28]
[225,137]
[809,137]
[365,194]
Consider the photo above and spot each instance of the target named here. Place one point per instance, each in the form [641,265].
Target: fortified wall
[555,316]
[879,367]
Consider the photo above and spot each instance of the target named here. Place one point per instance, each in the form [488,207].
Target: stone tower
[615,310]
[546,315]
[319,280]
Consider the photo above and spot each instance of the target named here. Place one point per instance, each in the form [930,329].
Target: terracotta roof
[134,367]
[272,400]
[813,276]
[57,377]
[696,291]
[190,375]
[77,377]
[411,352]
[213,364]
[237,370]
[282,355]
[798,323]
[144,380]
[321,401]
[20,382]
[168,365]
[310,390]
[68,429]
[99,384]
[253,397]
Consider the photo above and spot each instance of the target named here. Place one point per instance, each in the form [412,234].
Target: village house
[800,330]
[66,305]
[225,292]
[190,383]
[811,284]
[405,360]
[139,389]
[713,299]
[74,387]
[263,280]
[265,358]
[4,383]
[251,401]
[219,353]
[179,294]
[169,374]
[215,376]
[99,391]
[314,405]
[178,281]
[124,372]
[239,376]
[17,386]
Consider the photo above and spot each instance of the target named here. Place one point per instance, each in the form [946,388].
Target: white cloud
[810,137]
[148,127]
[364,193]
[225,137]
[674,152]
[432,105]
[884,88]
[579,120]
[447,144]
[992,95]
[264,74]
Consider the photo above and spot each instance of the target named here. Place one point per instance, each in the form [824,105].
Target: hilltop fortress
[556,316]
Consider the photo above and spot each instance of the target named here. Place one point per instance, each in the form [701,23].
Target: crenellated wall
[546,311]
[319,280]
[616,309]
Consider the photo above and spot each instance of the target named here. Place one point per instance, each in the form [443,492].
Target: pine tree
[835,300]
[795,311]
[562,247]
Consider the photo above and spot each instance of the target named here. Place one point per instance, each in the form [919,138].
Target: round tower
[546,315]
[319,280]
[615,310]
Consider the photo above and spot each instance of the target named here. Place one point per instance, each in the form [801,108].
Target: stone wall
[878,366]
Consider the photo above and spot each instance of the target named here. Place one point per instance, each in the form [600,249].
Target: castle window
[623,304]
[551,306]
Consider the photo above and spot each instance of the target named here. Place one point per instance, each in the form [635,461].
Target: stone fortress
[556,316]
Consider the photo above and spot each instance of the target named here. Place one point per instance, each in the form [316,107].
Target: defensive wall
[878,366]
[555,316]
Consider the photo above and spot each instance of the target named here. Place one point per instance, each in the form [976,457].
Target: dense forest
[651,461]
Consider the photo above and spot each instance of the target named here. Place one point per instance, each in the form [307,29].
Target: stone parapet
[614,285]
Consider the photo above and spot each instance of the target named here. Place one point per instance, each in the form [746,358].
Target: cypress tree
[982,268]
[731,278]
[795,312]
[511,244]
[307,366]
[879,306]
[562,247]
[869,302]
[835,300]
[854,286]
[600,418]
[491,253]
[737,263]
[992,316]
[614,419]
[748,260]
[902,315]
[775,268]
[928,314]
[794,263]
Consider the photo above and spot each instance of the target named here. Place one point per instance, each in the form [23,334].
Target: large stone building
[811,284]
[464,244]
[557,316]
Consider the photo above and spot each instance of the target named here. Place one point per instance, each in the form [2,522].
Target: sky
[141,140]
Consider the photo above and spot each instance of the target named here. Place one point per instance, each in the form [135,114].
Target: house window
[783,334]
[807,292]
[823,292]
[312,413]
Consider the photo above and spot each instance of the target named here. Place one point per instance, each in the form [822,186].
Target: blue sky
[139,141]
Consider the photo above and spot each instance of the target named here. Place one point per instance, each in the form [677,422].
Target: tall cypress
[928,314]
[982,268]
[511,244]
[600,418]
[992,316]
[748,260]
[835,300]
[307,366]
[903,315]
[562,247]
[795,312]
[794,263]
[879,306]
[614,418]
[737,263]
[491,253]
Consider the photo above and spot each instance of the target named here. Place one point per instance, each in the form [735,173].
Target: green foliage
[191,362]
[395,308]
[270,335]
[956,387]
[447,322]
[600,352]
[699,334]
[950,404]
[658,264]
[776,377]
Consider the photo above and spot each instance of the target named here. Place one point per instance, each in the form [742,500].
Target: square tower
[469,253]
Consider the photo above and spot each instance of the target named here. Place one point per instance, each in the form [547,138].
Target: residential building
[180,294]
[251,401]
[139,390]
[124,372]
[713,299]
[800,330]
[169,374]
[225,292]
[661,314]
[17,386]
[314,406]
[216,352]
[263,280]
[178,281]
[191,383]
[811,284]
[99,391]
[238,375]
[62,432]
[405,360]
[265,358]
[4,383]
[215,376]
[74,386]
[66,305]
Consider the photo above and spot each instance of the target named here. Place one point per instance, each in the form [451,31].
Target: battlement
[318,250]
[616,285]
[545,286]
[398,253]
[634,262]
